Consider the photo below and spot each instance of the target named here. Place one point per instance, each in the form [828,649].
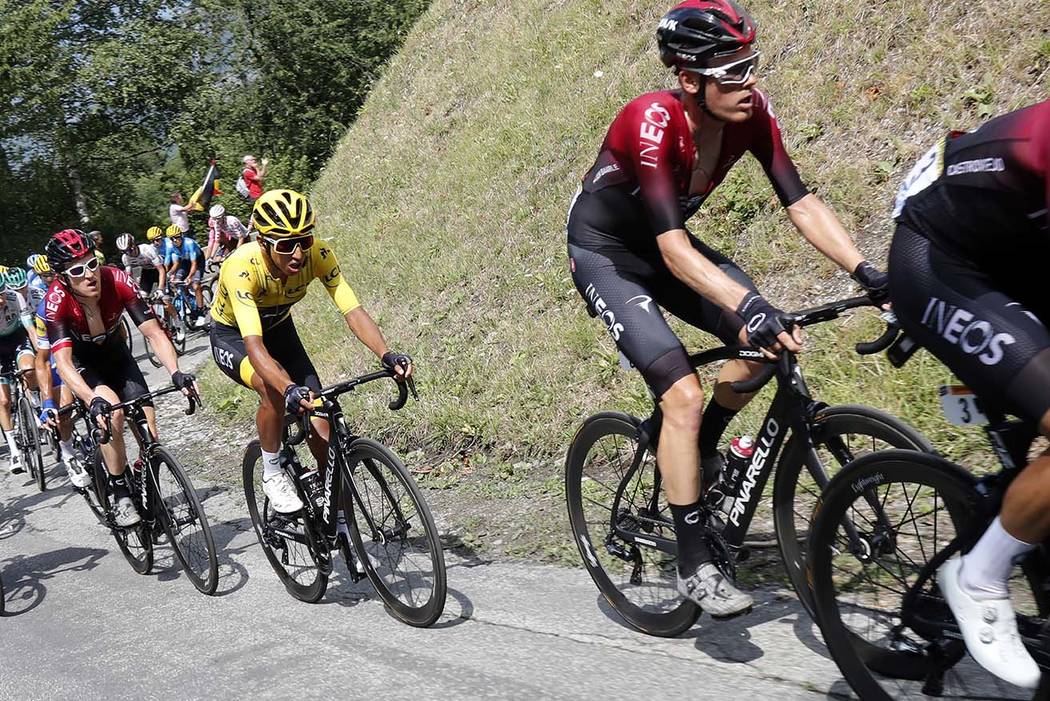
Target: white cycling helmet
[216,211]
[31,260]
[125,241]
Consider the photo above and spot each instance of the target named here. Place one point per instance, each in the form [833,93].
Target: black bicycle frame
[792,408]
[339,438]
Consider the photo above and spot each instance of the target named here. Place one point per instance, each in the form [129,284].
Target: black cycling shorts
[282,343]
[112,365]
[628,288]
[985,324]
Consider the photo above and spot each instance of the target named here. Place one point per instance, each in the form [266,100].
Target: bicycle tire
[315,585]
[195,553]
[394,525]
[31,444]
[670,614]
[858,663]
[135,542]
[832,423]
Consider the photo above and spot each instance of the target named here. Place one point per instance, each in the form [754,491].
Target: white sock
[67,448]
[271,465]
[986,569]
[11,444]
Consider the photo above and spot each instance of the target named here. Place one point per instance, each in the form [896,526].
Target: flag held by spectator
[201,199]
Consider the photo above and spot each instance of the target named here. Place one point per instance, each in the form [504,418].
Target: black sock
[713,424]
[119,486]
[690,528]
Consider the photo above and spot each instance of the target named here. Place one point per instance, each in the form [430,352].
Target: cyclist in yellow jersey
[253,337]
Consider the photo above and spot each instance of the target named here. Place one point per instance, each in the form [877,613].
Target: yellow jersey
[252,300]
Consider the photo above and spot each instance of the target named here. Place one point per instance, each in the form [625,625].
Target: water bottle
[737,458]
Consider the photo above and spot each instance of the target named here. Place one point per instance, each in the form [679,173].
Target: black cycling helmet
[695,31]
[66,246]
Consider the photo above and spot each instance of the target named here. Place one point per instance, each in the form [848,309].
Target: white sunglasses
[735,73]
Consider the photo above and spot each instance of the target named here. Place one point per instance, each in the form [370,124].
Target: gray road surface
[81,624]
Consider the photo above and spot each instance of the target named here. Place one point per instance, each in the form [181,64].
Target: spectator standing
[178,212]
[253,176]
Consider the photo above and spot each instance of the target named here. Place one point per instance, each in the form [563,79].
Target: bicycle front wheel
[840,434]
[638,581]
[135,542]
[289,541]
[30,441]
[884,527]
[394,534]
[183,518]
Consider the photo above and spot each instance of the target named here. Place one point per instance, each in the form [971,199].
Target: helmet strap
[701,99]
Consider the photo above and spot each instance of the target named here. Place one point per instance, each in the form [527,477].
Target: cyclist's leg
[994,343]
[688,305]
[285,346]
[230,354]
[26,361]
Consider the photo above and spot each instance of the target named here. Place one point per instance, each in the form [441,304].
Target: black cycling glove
[293,395]
[392,359]
[762,320]
[98,407]
[875,282]
[183,380]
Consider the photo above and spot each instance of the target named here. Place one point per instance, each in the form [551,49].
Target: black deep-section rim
[406,566]
[310,592]
[590,537]
[186,523]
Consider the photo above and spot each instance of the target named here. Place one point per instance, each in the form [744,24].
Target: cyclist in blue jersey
[185,262]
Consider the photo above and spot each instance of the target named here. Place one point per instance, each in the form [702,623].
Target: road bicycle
[185,303]
[173,328]
[161,490]
[619,516]
[26,426]
[369,490]
[875,590]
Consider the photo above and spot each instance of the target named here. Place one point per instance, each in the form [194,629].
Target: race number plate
[961,407]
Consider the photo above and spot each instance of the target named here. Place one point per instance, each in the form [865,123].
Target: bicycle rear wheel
[840,435]
[289,541]
[638,581]
[904,509]
[394,533]
[29,440]
[185,522]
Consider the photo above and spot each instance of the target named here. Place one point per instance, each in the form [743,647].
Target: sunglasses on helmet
[287,246]
[84,269]
[735,73]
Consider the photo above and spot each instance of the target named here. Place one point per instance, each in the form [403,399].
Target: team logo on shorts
[961,328]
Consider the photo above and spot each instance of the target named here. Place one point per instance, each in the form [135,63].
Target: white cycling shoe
[124,513]
[78,476]
[712,591]
[15,465]
[989,629]
[281,493]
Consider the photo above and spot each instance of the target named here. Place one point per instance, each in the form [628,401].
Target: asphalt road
[80,623]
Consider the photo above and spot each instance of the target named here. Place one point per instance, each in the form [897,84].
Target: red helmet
[65,247]
[695,31]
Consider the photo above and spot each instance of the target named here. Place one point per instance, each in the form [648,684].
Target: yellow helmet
[173,231]
[154,232]
[41,266]
[282,213]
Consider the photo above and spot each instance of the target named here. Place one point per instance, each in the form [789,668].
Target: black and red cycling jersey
[649,149]
[67,325]
[985,194]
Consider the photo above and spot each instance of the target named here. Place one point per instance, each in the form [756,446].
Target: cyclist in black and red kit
[631,253]
[82,311]
[967,267]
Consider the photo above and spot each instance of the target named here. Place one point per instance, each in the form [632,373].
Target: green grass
[446,202]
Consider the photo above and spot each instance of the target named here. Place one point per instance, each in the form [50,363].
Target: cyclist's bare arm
[819,225]
[160,343]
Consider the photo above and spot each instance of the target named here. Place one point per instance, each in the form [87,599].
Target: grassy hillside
[447,198]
